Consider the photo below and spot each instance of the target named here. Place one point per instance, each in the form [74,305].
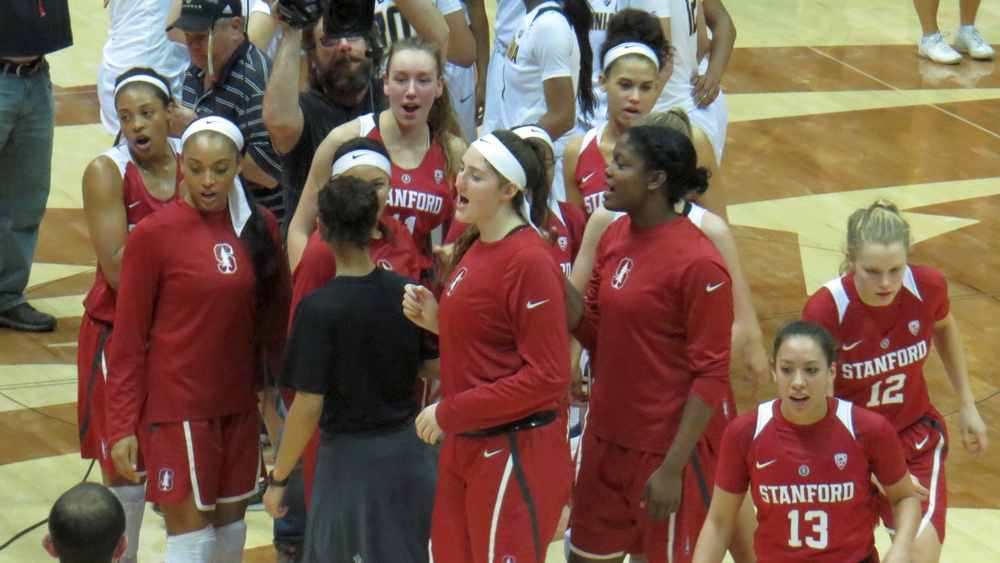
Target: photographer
[341,88]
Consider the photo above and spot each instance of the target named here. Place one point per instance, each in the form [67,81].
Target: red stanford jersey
[590,170]
[658,316]
[422,198]
[883,349]
[504,346]
[184,346]
[317,267]
[811,484]
[139,204]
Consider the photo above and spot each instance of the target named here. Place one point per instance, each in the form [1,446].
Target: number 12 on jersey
[893,393]
[819,536]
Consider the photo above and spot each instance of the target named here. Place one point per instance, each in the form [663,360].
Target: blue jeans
[27,125]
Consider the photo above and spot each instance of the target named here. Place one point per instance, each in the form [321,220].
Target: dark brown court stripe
[27,434]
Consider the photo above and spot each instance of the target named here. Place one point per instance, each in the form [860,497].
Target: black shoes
[25,318]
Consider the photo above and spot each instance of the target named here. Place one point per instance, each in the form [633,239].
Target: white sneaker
[969,41]
[934,48]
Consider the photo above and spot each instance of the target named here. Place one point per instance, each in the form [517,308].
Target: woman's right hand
[420,307]
[125,454]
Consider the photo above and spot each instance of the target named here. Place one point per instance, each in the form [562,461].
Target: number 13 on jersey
[818,537]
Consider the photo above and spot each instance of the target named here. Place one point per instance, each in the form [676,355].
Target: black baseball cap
[200,15]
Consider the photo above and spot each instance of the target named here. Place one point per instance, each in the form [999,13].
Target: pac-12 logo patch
[226,257]
[621,274]
[840,460]
[455,279]
[563,242]
[384,264]
[165,481]
[438,175]
[914,327]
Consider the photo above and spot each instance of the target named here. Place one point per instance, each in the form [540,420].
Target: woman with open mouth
[635,58]
[423,139]
[201,322]
[504,473]
[885,314]
[657,318]
[120,188]
[808,461]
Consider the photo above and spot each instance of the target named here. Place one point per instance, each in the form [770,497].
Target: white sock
[229,542]
[969,27]
[133,499]
[192,547]
[566,549]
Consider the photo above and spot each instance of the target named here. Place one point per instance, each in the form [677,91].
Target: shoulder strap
[765,412]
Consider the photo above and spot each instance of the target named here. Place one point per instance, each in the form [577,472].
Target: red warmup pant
[499,498]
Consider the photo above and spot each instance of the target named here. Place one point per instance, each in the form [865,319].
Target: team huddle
[455,341]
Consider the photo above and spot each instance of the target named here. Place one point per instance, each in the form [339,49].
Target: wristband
[272,482]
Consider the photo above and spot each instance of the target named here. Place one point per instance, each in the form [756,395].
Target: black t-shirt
[29,28]
[351,343]
[320,116]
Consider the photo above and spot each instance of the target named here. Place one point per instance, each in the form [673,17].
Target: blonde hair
[879,223]
[676,119]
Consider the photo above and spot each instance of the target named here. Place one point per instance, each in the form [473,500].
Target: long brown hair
[441,120]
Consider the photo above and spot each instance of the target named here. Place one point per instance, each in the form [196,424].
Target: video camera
[341,18]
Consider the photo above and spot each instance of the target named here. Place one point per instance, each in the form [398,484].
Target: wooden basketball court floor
[830,108]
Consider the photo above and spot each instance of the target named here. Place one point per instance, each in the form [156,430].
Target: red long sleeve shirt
[658,315]
[504,344]
[187,335]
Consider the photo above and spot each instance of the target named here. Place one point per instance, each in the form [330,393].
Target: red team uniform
[881,357]
[811,484]
[658,317]
[504,359]
[182,373]
[590,170]
[96,325]
[422,198]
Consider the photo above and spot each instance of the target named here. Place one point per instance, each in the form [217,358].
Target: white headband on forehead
[239,207]
[142,78]
[362,157]
[535,132]
[504,161]
[630,48]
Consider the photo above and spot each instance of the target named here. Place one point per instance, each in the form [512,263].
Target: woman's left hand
[272,501]
[973,430]
[427,425]
[662,494]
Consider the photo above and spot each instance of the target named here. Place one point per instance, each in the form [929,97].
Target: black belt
[536,420]
[24,70]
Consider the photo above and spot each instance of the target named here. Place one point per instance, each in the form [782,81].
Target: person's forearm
[299,427]
[948,341]
[574,307]
[558,120]
[906,520]
[480,26]
[723,37]
[693,422]
[282,114]
[712,543]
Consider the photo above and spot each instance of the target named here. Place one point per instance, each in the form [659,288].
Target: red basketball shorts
[91,369]
[607,519]
[925,445]
[499,498]
[216,460]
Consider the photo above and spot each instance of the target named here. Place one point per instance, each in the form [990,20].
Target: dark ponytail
[671,151]
[580,18]
[533,162]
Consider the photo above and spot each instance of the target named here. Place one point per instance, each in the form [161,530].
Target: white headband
[141,78]
[504,161]
[239,207]
[630,48]
[535,132]
[362,157]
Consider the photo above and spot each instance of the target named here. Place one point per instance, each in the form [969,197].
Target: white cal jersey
[461,83]
[544,47]
[394,26]
[683,16]
[603,11]
[508,20]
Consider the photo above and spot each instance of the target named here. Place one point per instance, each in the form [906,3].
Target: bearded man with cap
[203,298]
[227,77]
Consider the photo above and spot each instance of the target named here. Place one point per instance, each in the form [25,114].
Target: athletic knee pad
[192,547]
[229,542]
[133,499]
